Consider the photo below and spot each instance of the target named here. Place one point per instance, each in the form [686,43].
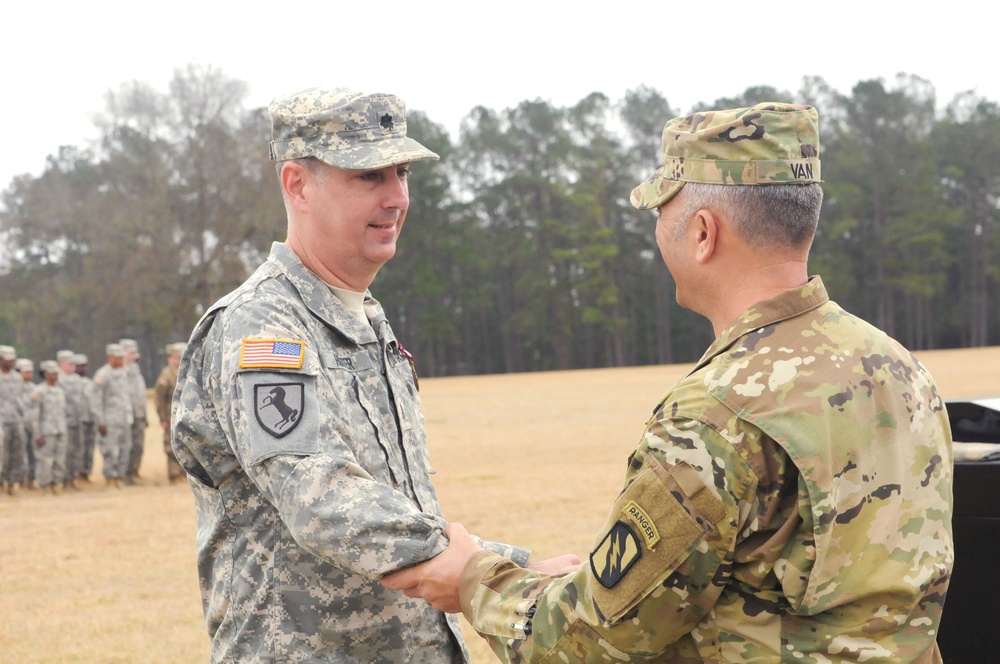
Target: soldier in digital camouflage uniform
[50,429]
[10,383]
[137,391]
[26,409]
[297,417]
[790,499]
[73,387]
[114,415]
[163,398]
[88,430]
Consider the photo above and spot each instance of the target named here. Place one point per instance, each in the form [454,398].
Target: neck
[752,286]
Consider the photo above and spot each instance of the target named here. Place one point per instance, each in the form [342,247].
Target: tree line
[521,251]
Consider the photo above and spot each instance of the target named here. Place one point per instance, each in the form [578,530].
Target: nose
[396,193]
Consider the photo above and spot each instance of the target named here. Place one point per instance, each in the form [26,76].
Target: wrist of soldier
[476,568]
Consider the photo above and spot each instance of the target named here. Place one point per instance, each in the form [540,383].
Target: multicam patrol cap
[343,128]
[770,143]
[176,349]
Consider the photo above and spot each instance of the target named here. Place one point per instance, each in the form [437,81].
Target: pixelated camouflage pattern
[50,427]
[10,386]
[770,143]
[343,128]
[113,398]
[294,532]
[800,480]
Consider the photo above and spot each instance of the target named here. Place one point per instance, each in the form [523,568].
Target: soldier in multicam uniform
[10,383]
[26,409]
[114,415]
[50,430]
[297,417]
[137,390]
[163,397]
[88,430]
[73,387]
[790,499]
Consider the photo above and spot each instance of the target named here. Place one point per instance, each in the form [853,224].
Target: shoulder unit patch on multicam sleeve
[615,555]
[272,354]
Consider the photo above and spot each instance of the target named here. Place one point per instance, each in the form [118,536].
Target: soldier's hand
[40,442]
[103,430]
[437,579]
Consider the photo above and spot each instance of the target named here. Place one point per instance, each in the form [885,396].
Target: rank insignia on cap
[272,354]
[615,555]
[278,406]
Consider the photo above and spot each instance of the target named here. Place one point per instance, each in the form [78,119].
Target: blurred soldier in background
[88,430]
[50,430]
[114,415]
[73,387]
[26,407]
[137,391]
[12,449]
[164,395]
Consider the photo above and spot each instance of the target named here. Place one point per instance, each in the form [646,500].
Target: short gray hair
[765,216]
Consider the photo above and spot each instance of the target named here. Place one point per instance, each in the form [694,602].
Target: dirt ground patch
[534,459]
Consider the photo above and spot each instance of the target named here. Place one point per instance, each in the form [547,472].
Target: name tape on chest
[272,354]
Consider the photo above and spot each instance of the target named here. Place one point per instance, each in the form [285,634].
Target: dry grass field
[534,459]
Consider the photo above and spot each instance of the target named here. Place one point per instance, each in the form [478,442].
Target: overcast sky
[56,62]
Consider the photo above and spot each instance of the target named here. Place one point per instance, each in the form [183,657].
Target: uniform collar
[318,298]
[791,303]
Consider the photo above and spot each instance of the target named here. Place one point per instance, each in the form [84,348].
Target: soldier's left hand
[437,579]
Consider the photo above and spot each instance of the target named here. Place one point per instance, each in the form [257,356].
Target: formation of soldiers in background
[49,429]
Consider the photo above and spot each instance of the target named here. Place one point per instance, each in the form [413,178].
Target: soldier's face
[357,217]
[115,361]
[670,240]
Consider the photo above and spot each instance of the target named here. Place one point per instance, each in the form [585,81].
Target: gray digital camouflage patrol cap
[770,143]
[343,128]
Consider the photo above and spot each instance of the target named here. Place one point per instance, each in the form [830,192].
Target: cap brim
[380,154]
[654,191]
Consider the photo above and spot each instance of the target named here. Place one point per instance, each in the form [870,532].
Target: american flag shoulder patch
[272,354]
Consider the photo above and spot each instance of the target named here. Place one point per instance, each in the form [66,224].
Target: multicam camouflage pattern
[798,484]
[50,427]
[343,128]
[10,387]
[770,143]
[296,529]
[163,396]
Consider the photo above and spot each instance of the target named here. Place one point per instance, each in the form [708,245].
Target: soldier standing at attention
[9,383]
[26,408]
[164,396]
[114,415]
[137,390]
[50,430]
[88,430]
[73,387]
[297,417]
[15,449]
[790,499]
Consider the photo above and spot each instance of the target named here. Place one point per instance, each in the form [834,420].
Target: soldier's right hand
[103,430]
[40,442]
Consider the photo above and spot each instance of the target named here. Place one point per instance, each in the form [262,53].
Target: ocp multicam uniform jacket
[790,501]
[311,482]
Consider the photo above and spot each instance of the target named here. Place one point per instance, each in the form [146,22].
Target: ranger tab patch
[272,354]
[278,406]
[615,555]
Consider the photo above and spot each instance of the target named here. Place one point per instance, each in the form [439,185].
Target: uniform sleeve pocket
[280,415]
[656,523]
